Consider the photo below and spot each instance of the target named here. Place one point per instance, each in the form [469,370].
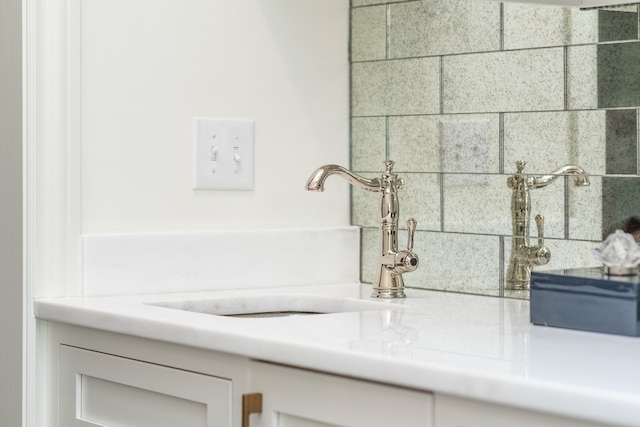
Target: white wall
[11,295]
[149,66]
[117,85]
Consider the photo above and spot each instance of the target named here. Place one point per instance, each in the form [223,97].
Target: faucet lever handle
[411,225]
[539,255]
[540,225]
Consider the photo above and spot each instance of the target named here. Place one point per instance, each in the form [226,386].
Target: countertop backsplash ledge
[143,263]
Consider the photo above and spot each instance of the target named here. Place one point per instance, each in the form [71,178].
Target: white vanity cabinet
[99,378]
[298,398]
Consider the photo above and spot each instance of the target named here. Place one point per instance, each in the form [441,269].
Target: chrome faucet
[524,256]
[388,282]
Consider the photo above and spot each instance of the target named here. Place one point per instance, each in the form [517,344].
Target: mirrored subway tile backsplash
[455,92]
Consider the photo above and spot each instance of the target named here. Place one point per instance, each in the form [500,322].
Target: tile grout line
[386,138]
[501,122]
[565,72]
[566,207]
[501,42]
[442,202]
[441,70]
[388,33]
[501,266]
[501,143]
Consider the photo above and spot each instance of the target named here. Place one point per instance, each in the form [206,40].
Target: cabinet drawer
[100,389]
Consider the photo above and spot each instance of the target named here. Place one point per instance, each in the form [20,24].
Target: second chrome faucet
[523,255]
[393,262]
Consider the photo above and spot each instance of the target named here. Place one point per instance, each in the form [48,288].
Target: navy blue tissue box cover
[586,299]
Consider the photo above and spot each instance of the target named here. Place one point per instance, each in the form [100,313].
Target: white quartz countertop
[464,345]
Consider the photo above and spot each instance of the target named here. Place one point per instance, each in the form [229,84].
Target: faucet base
[388,284]
[388,293]
[518,273]
[517,285]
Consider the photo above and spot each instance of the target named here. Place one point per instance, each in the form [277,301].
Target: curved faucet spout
[317,179]
[581,177]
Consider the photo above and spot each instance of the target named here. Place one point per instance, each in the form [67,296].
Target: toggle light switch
[223,158]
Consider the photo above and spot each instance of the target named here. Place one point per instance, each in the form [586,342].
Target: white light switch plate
[224,157]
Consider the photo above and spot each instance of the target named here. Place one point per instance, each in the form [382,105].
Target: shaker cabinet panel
[298,398]
[456,412]
[97,389]
[285,420]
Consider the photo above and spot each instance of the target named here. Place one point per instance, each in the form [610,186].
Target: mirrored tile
[468,143]
[487,208]
[365,206]
[368,143]
[622,141]
[457,263]
[538,25]
[410,86]
[368,33]
[584,210]
[419,199]
[582,77]
[618,23]
[356,3]
[548,140]
[618,76]
[414,143]
[477,206]
[564,254]
[550,203]
[620,201]
[437,27]
[525,80]
[450,262]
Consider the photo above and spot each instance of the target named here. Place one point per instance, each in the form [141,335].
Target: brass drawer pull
[251,404]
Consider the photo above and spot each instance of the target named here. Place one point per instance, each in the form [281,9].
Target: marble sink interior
[274,305]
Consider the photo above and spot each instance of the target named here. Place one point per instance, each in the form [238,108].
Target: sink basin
[280,305]
[267,314]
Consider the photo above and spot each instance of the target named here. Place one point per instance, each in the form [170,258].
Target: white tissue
[618,250]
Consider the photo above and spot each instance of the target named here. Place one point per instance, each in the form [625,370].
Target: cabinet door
[298,398]
[96,389]
[455,412]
